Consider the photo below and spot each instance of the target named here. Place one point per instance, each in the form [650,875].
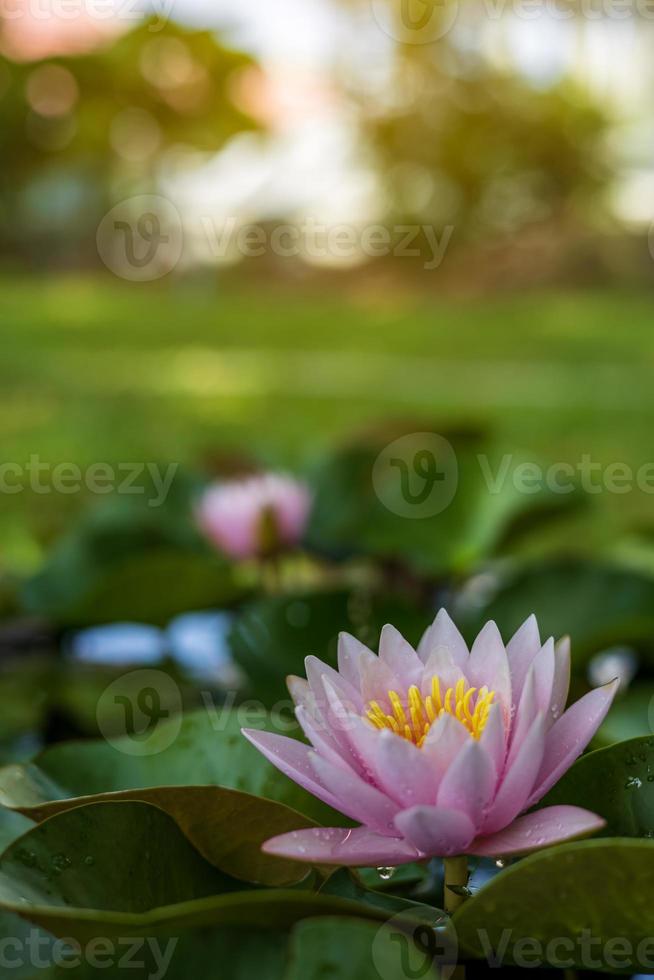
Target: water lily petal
[399,768]
[351,654]
[318,672]
[493,738]
[293,759]
[400,658]
[334,845]
[446,738]
[443,634]
[552,825]
[543,668]
[357,799]
[518,780]
[561,684]
[521,649]
[569,736]
[436,831]
[469,782]
[488,665]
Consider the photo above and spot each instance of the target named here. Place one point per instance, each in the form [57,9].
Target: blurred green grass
[95,370]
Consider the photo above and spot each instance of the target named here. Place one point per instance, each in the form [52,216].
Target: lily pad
[221,792]
[566,907]
[618,783]
[116,869]
[345,949]
[374,497]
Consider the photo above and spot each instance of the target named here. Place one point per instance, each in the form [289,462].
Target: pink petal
[445,739]
[518,780]
[542,828]
[356,798]
[561,685]
[469,783]
[569,736]
[525,714]
[318,739]
[351,654]
[443,634]
[436,831]
[493,738]
[332,845]
[521,650]
[304,700]
[543,668]
[318,672]
[488,665]
[441,664]
[400,769]
[293,759]
[400,658]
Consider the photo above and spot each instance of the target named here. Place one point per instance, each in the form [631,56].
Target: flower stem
[456,874]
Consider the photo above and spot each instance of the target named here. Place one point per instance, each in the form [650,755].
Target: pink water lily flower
[436,752]
[255,515]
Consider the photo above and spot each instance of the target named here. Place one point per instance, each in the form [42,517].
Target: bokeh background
[349,220]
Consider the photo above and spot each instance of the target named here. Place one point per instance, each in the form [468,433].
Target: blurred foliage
[79,130]
[461,141]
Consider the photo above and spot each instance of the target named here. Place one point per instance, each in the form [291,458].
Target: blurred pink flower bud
[255,516]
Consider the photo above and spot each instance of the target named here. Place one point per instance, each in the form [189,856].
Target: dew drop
[89,860]
[634,782]
[500,863]
[386,873]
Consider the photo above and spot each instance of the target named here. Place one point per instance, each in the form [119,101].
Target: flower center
[413,718]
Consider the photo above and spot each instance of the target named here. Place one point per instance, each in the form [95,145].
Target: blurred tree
[76,129]
[461,138]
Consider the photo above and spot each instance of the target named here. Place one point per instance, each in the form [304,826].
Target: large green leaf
[223,794]
[344,949]
[114,869]
[618,783]
[211,953]
[127,561]
[474,509]
[596,605]
[272,636]
[599,888]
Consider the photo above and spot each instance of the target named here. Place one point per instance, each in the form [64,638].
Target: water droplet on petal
[386,873]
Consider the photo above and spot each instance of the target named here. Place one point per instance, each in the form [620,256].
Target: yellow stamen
[413,717]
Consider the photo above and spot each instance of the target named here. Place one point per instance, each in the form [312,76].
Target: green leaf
[272,636]
[115,869]
[127,561]
[617,783]
[601,888]
[221,791]
[344,949]
[631,715]
[597,605]
[213,954]
[350,515]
